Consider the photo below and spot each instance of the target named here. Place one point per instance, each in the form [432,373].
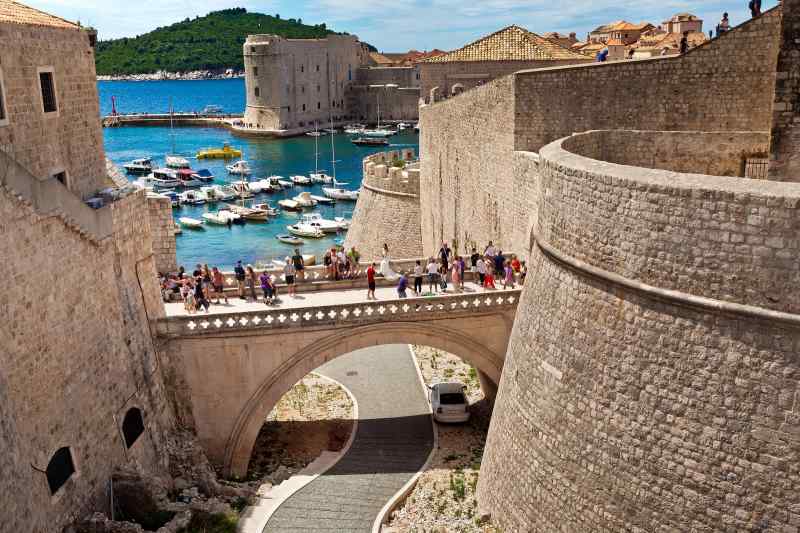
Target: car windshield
[451,398]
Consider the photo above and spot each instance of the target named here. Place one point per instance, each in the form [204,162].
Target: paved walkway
[393,440]
[314,299]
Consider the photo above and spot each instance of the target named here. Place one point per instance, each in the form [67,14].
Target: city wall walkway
[392,442]
[231,366]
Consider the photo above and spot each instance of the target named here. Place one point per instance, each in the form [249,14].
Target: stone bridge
[230,369]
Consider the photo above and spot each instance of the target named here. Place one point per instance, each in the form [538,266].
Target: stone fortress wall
[786,127]
[398,101]
[388,208]
[652,378]
[162,225]
[294,83]
[70,139]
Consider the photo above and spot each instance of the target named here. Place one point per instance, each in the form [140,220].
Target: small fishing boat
[223,217]
[320,177]
[193,197]
[190,223]
[203,175]
[325,225]
[164,178]
[285,184]
[177,161]
[323,199]
[290,205]
[239,168]
[249,213]
[300,180]
[304,230]
[370,141]
[139,166]
[264,185]
[291,239]
[271,211]
[337,193]
[226,152]
[305,200]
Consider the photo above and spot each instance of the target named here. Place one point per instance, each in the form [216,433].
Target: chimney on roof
[573,37]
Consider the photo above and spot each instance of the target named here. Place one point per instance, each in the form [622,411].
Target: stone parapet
[162,225]
[381,173]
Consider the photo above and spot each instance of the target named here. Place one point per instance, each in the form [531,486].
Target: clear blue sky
[399,25]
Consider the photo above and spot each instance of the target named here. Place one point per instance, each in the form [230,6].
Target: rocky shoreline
[174,76]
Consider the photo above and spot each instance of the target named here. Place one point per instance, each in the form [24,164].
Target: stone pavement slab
[393,441]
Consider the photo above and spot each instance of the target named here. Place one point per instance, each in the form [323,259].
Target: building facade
[297,84]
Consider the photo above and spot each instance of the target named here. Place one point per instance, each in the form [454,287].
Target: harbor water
[253,242]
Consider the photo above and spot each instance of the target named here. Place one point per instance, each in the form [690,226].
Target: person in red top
[371,282]
[516,265]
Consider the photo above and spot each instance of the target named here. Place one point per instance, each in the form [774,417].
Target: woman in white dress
[386,268]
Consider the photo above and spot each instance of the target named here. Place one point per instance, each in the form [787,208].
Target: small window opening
[256,91]
[255,71]
[48,92]
[132,426]
[59,469]
[62,177]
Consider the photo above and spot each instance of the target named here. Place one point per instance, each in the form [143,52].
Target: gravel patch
[444,497]
[314,416]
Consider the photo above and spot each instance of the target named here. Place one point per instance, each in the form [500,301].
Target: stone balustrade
[414,309]
[380,174]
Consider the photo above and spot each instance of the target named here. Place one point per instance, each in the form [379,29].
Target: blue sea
[253,242]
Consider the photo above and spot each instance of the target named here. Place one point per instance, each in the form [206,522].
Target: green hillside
[212,42]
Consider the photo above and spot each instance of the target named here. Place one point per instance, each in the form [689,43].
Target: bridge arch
[239,446]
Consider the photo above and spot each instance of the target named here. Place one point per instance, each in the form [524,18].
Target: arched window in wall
[59,469]
[132,426]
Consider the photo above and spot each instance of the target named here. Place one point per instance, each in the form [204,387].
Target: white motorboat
[337,193]
[323,199]
[193,197]
[249,213]
[264,185]
[275,182]
[325,225]
[332,131]
[290,205]
[239,168]
[163,178]
[242,189]
[190,223]
[300,180]
[378,133]
[343,222]
[255,187]
[187,179]
[177,161]
[403,126]
[304,199]
[203,175]
[304,230]
[271,211]
[285,184]
[316,133]
[218,193]
[223,217]
[320,177]
[139,166]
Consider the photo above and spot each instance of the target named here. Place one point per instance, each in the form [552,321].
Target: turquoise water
[154,96]
[255,241]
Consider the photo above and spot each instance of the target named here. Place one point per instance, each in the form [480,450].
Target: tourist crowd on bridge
[445,273]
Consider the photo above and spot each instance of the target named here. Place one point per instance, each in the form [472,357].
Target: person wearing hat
[288,274]
[240,277]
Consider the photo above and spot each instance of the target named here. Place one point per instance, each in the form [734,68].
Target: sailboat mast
[171,126]
[316,148]
[333,154]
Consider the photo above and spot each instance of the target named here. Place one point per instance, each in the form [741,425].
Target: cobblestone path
[393,440]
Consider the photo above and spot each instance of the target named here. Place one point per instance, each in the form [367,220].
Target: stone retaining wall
[786,109]
[163,227]
[388,208]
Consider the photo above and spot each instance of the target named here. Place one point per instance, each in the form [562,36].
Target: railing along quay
[414,309]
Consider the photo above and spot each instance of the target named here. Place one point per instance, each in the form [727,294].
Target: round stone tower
[263,64]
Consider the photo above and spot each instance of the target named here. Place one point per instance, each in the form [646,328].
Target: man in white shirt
[490,250]
[481,270]
[433,276]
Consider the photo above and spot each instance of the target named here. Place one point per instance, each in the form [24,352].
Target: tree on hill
[213,42]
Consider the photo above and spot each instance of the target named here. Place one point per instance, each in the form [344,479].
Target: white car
[448,402]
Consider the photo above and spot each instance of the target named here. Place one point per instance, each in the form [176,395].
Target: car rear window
[451,398]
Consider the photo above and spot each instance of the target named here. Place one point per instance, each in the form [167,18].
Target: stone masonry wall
[163,228]
[720,86]
[786,109]
[711,153]
[395,103]
[474,188]
[70,140]
[77,354]
[388,209]
[619,410]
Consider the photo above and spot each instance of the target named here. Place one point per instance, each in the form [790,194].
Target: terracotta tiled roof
[673,40]
[16,13]
[377,57]
[509,44]
[615,42]
[605,28]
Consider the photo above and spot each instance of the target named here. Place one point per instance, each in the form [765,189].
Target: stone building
[683,22]
[293,84]
[48,98]
[499,54]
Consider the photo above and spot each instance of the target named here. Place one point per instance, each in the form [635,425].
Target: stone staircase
[50,198]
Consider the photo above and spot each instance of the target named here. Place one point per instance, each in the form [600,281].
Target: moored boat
[139,166]
[226,152]
[190,223]
[177,161]
[323,199]
[320,177]
[187,179]
[249,213]
[300,180]
[290,205]
[240,168]
[324,225]
[271,211]
[223,217]
[285,183]
[203,174]
[304,230]
[193,197]
[242,189]
[290,239]
[164,178]
[304,199]
[370,141]
[337,193]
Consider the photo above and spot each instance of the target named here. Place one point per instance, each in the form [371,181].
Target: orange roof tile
[509,44]
[15,13]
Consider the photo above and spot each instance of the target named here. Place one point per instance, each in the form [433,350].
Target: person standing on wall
[444,255]
[371,282]
[418,278]
[433,276]
[755,8]
[218,281]
[685,42]
[288,275]
[299,265]
[252,282]
[238,272]
[402,285]
[481,268]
